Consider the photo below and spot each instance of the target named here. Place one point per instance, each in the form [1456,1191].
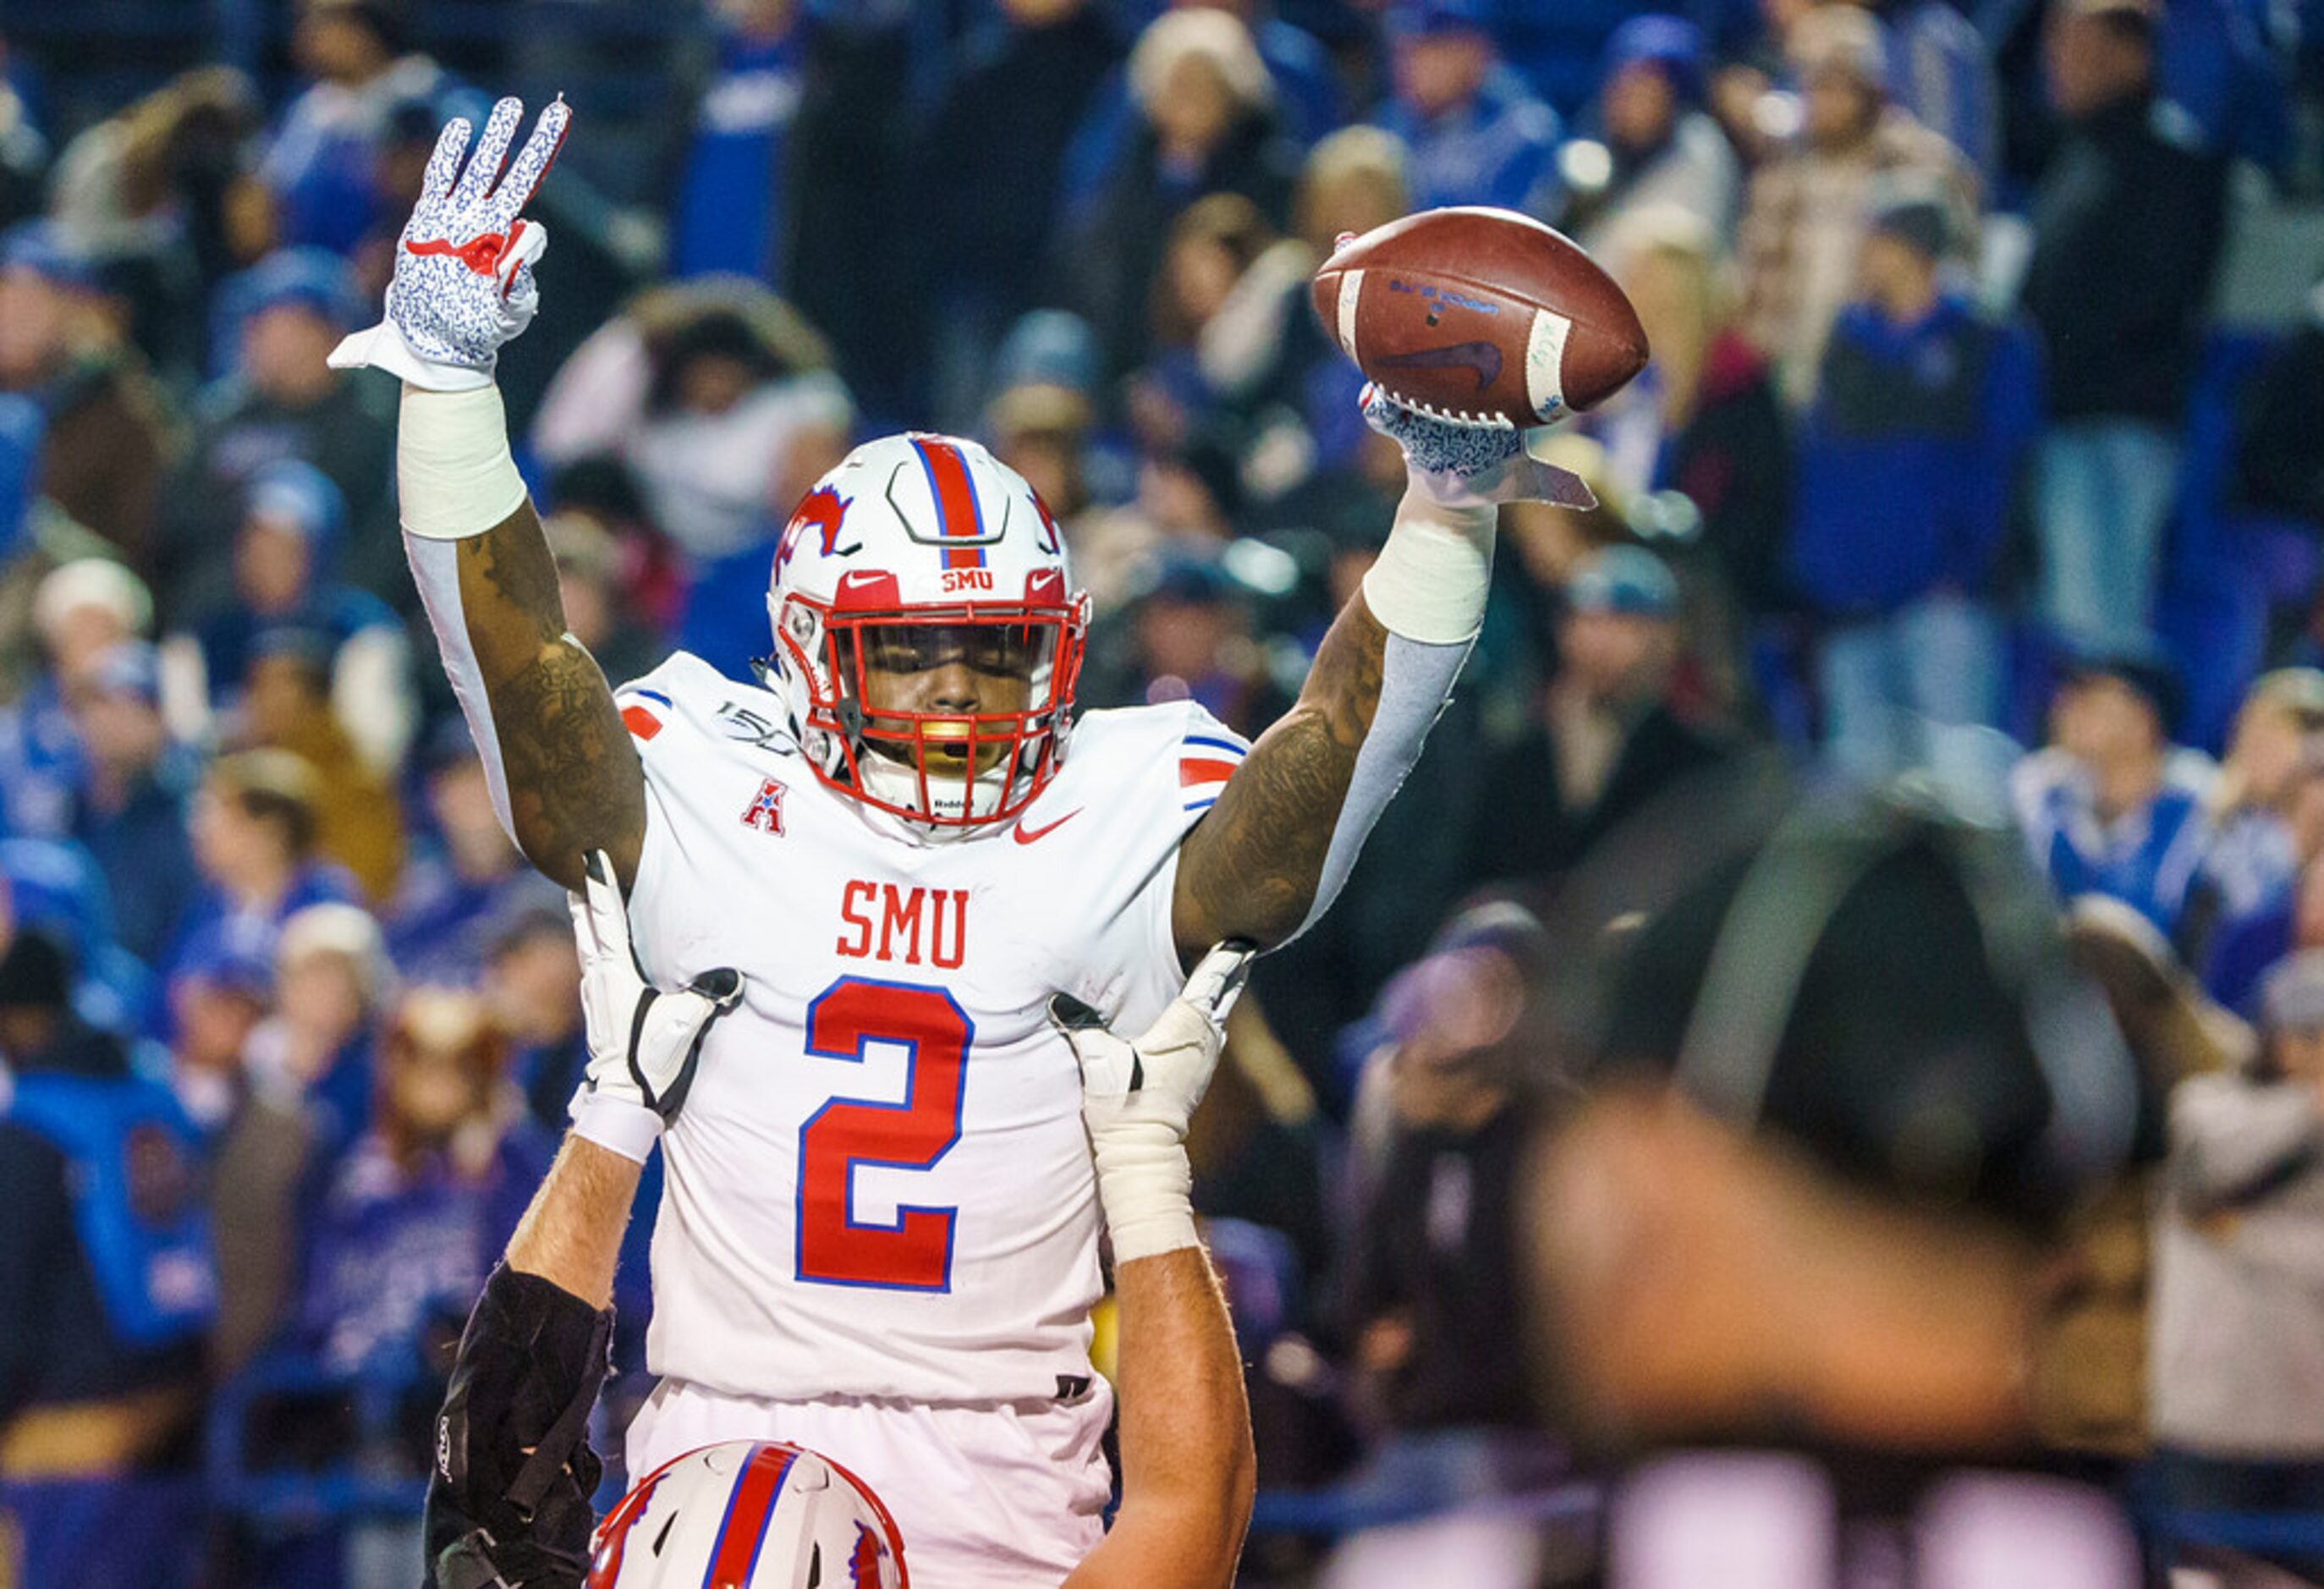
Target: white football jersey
[880,1186]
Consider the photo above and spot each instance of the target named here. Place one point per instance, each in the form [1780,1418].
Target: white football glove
[1472,466]
[464,283]
[643,1042]
[1137,1098]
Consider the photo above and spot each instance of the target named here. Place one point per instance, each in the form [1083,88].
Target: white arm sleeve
[1427,588]
[436,570]
[1415,682]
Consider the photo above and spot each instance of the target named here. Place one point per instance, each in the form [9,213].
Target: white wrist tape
[1147,1188]
[454,476]
[1429,581]
[617,1124]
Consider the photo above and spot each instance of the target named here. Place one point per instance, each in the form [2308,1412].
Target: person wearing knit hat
[1660,147]
[1810,207]
[285,560]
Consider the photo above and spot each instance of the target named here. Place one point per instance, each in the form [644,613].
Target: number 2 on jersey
[915,1253]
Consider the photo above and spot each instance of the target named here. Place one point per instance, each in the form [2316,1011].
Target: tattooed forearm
[574,780]
[1251,869]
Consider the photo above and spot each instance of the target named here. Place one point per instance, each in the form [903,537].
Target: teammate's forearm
[564,775]
[571,1234]
[1187,1466]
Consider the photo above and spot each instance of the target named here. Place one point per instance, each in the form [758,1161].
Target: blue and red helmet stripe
[749,1510]
[959,515]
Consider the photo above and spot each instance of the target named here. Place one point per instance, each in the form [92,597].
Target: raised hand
[464,283]
[1467,465]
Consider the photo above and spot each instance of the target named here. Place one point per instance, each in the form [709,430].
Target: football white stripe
[1351,288]
[1546,365]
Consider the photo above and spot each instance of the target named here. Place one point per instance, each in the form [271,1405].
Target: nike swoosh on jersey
[1483,357]
[1026,835]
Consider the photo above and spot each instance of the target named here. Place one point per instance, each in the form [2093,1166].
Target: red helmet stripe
[958,512]
[749,1510]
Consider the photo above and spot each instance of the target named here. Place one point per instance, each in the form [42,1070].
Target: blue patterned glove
[1472,466]
[464,282]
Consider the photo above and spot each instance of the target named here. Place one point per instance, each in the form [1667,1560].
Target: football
[1480,316]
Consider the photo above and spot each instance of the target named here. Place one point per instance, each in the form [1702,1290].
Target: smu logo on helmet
[822,510]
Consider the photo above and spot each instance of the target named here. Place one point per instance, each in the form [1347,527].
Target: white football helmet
[926,560]
[748,1514]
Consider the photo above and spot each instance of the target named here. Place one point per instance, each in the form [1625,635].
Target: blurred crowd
[1964,459]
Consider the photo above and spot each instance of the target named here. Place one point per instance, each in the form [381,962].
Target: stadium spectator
[285,579]
[997,237]
[1185,636]
[1805,221]
[528,973]
[286,706]
[464,874]
[80,610]
[729,211]
[1941,71]
[1703,418]
[281,402]
[1909,464]
[1605,738]
[1432,1287]
[592,581]
[2112,806]
[2238,1362]
[130,807]
[1234,336]
[718,398]
[424,1201]
[152,192]
[1206,125]
[315,1053]
[1042,409]
[109,431]
[1661,147]
[2269,810]
[1477,132]
[219,988]
[109,1284]
[2128,225]
[254,825]
[321,165]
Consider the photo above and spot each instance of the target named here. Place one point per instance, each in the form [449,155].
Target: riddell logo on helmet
[967,579]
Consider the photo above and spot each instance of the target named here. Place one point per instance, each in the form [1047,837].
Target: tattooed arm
[1253,868]
[573,780]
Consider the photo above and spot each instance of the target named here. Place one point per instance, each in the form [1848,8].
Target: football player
[879,1229]
[508,1503]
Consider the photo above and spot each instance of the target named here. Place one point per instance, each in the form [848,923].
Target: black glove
[509,1499]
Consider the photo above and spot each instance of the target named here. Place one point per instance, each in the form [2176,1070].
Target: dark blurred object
[1850,1096]
[2280,465]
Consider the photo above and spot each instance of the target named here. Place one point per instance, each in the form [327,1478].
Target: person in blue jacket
[1477,132]
[107,1286]
[1909,463]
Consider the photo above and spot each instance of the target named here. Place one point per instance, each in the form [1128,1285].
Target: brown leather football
[1480,315]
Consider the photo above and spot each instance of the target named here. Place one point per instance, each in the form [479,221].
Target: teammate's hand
[464,283]
[1138,1098]
[1472,466]
[643,1042]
